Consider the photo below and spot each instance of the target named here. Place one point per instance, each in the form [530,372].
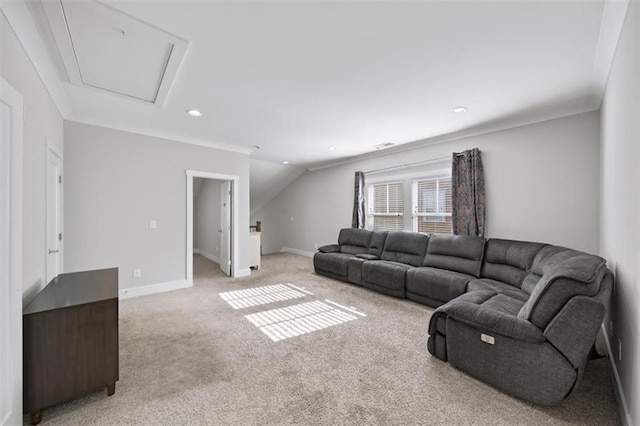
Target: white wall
[268,179]
[620,202]
[541,185]
[117,181]
[197,185]
[206,218]
[43,122]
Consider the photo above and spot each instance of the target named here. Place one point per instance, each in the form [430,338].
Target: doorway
[212,221]
[228,230]
[11,129]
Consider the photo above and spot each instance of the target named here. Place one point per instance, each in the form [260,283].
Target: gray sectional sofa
[518,315]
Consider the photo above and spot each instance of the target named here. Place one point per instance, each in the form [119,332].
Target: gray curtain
[467,193]
[358,201]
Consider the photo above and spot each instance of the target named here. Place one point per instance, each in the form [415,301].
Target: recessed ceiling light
[459,109]
[285,162]
[194,112]
[332,148]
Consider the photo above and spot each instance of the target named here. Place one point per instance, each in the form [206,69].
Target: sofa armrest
[573,331]
[367,256]
[492,321]
[331,248]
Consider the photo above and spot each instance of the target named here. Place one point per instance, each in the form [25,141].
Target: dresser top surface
[77,288]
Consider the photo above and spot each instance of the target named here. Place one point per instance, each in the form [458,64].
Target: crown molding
[168,136]
[21,21]
[480,130]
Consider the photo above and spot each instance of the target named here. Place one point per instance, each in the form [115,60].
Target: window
[427,200]
[432,205]
[385,206]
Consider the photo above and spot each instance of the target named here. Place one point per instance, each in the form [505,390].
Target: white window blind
[432,205]
[385,206]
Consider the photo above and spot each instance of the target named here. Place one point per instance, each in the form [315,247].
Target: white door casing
[235,231]
[11,130]
[225,227]
[54,215]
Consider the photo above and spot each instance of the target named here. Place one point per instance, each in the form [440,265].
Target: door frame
[225,269]
[235,214]
[50,149]
[13,99]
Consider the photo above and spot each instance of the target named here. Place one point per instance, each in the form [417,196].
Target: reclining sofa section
[518,315]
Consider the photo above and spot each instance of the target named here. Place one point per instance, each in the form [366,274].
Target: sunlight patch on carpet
[257,296]
[291,321]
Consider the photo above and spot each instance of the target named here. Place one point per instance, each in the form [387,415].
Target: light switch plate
[153,224]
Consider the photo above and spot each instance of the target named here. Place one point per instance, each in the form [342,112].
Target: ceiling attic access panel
[106,49]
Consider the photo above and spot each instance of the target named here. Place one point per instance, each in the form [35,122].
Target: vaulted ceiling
[298,77]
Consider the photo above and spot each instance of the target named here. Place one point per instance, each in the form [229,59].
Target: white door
[10,255]
[54,216]
[225,227]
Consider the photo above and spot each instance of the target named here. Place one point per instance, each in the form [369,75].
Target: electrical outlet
[619,350]
[137,273]
[315,245]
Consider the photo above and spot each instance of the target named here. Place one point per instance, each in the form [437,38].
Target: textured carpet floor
[188,357]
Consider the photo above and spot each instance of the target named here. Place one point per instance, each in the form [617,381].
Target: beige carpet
[188,357]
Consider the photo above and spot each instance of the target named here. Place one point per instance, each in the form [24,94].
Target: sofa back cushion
[377,242]
[508,261]
[458,253]
[564,273]
[405,247]
[541,259]
[354,240]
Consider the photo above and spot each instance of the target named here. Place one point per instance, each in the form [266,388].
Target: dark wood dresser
[70,339]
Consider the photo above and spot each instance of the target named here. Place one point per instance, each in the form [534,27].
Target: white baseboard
[213,258]
[209,256]
[153,288]
[243,273]
[625,415]
[296,251]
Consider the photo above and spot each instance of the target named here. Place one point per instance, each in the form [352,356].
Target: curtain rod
[402,166]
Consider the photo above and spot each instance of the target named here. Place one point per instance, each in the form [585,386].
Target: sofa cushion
[355,269]
[549,256]
[330,248]
[498,287]
[377,243]
[354,240]
[537,268]
[458,253]
[505,304]
[436,284]
[508,261]
[490,311]
[367,257]
[565,274]
[336,263]
[385,273]
[530,282]
[405,247]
